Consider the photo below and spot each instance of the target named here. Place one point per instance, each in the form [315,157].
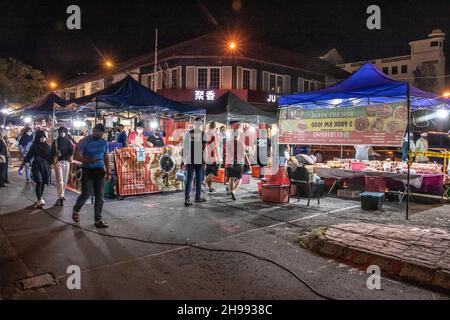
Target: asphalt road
[269,265]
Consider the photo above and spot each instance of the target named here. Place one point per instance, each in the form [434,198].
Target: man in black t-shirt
[155,140]
[194,145]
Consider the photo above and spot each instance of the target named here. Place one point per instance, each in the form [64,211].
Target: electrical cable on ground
[194,246]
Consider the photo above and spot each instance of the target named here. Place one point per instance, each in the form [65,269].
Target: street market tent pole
[155,67]
[96,110]
[408,159]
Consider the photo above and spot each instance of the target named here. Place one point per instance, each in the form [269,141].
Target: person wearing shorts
[212,169]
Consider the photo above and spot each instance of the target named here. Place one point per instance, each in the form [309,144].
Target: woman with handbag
[61,154]
[40,167]
[3,161]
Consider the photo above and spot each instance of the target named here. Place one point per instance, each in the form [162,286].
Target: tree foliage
[20,82]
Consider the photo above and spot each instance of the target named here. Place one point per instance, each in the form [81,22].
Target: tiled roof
[213,44]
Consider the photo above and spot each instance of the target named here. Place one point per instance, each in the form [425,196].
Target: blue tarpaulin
[129,95]
[367,85]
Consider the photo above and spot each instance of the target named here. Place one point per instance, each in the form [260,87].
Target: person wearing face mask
[422,146]
[25,142]
[155,140]
[137,138]
[92,152]
[4,155]
[40,166]
[62,153]
[212,165]
[193,148]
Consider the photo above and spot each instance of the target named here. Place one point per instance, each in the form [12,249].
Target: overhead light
[79,123]
[27,120]
[446,94]
[153,125]
[52,84]
[441,113]
[5,110]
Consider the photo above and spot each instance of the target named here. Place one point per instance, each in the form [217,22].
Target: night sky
[35,31]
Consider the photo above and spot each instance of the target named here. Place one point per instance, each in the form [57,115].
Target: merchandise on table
[383,166]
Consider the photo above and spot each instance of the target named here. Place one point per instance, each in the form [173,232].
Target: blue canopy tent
[129,95]
[45,105]
[366,86]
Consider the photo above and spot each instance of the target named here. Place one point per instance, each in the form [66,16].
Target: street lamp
[109,64]
[232,45]
[53,84]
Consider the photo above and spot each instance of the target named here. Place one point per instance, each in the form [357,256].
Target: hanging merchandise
[140,154]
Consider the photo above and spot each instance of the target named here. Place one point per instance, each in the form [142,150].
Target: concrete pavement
[32,242]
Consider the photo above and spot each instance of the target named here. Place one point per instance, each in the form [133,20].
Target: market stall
[138,170]
[367,109]
[229,107]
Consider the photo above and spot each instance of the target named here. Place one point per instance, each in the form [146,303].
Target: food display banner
[139,171]
[376,125]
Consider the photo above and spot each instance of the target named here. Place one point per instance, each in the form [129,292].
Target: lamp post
[408,126]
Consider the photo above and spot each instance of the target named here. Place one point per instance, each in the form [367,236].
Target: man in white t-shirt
[362,152]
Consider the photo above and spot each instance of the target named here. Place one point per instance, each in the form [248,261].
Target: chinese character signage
[377,125]
[201,95]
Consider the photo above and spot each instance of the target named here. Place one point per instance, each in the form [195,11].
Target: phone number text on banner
[380,124]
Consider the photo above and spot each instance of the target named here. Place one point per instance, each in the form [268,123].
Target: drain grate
[37,282]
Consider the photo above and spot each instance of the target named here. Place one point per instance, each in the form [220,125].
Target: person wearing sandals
[62,153]
[92,152]
[212,165]
[40,166]
[236,157]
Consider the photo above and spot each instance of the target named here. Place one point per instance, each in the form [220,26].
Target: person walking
[4,155]
[92,152]
[212,165]
[25,142]
[62,154]
[194,145]
[40,166]
[236,157]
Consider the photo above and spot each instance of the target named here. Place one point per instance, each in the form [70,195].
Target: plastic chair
[301,177]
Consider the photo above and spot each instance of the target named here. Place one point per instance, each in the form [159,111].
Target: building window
[214,78]
[275,82]
[72,94]
[434,43]
[394,70]
[208,78]
[174,78]
[404,68]
[202,78]
[245,79]
[386,70]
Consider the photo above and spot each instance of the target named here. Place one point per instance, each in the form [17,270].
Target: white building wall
[430,59]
